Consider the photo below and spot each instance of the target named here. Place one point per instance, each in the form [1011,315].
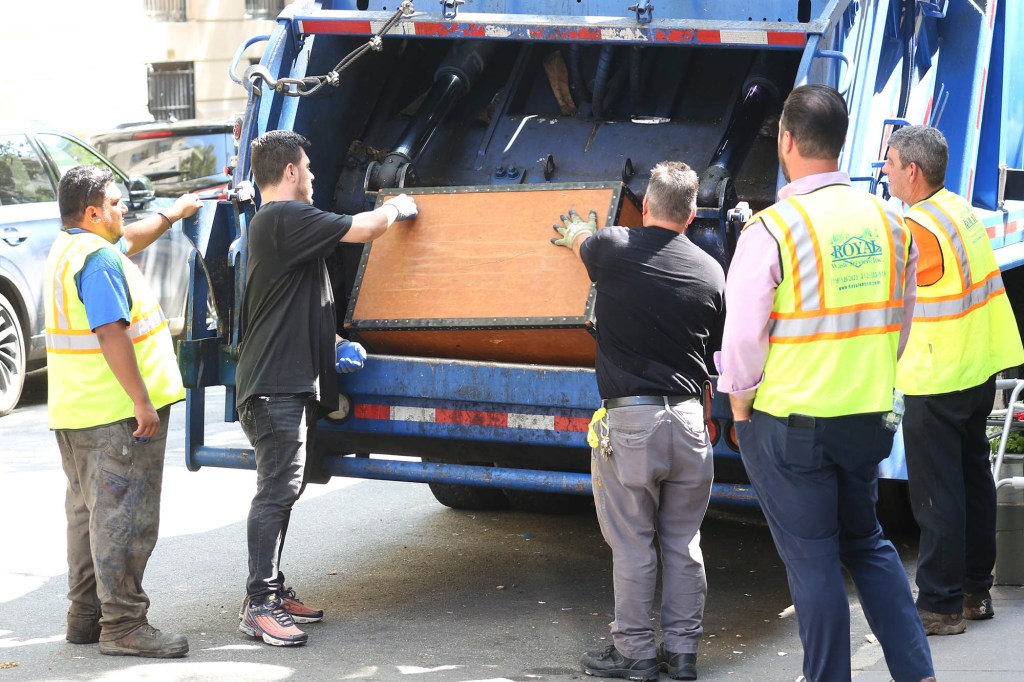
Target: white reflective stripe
[412,414]
[934,210]
[837,323]
[57,340]
[899,242]
[806,260]
[925,309]
[541,422]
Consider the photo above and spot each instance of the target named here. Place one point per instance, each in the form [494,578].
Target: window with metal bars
[165,10]
[172,92]
[263,9]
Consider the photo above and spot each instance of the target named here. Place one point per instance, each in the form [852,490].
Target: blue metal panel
[1002,128]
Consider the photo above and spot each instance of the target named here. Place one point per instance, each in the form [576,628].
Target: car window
[67,153]
[175,163]
[23,178]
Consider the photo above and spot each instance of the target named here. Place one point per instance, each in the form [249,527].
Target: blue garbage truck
[504,113]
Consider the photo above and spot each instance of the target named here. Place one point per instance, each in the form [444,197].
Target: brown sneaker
[83,629]
[941,623]
[146,641]
[978,606]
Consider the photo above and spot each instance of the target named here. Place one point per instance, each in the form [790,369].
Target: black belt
[666,400]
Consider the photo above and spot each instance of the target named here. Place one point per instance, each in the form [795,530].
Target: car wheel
[12,357]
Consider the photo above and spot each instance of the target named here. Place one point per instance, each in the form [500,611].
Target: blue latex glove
[349,356]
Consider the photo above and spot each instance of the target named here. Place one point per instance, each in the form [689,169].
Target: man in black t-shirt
[289,354]
[660,299]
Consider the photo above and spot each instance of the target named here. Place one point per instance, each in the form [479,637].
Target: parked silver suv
[32,162]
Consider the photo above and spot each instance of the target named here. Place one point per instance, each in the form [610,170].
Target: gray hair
[672,191]
[924,146]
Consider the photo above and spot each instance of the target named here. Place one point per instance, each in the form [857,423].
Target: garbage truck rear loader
[498,118]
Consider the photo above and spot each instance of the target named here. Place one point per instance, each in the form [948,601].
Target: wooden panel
[569,347]
[479,255]
[477,261]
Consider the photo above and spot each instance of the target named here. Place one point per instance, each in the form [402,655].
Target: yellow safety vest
[83,391]
[964,330]
[836,317]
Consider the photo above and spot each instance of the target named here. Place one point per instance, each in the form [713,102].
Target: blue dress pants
[817,484]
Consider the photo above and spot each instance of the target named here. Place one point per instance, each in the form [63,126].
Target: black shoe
[83,629]
[978,606]
[678,666]
[610,663]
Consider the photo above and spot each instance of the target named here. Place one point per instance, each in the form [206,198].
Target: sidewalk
[990,650]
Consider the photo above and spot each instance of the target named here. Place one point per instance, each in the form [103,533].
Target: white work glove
[405,205]
[573,228]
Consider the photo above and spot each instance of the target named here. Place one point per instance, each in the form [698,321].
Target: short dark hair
[271,153]
[672,191]
[80,188]
[817,118]
[924,146]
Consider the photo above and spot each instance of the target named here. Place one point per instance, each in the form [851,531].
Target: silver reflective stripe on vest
[867,321]
[934,211]
[899,242]
[806,258]
[925,309]
[139,329]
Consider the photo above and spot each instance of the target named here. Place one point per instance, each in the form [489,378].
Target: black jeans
[952,493]
[281,428]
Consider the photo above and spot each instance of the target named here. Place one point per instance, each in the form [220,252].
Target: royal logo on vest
[856,250]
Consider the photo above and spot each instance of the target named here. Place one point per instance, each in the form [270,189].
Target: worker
[820,300]
[659,300]
[964,334]
[111,379]
[289,359]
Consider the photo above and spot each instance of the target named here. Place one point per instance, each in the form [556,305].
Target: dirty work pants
[817,486]
[655,487]
[952,494]
[280,428]
[113,510]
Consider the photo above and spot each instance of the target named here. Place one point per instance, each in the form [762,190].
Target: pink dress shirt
[755,272]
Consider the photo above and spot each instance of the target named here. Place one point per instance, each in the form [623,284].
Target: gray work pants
[656,485]
[113,510]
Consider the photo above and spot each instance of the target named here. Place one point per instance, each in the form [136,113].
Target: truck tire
[470,497]
[549,503]
[12,357]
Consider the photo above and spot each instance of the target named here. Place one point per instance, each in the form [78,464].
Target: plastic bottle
[891,420]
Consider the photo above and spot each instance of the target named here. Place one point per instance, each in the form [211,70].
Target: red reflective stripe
[780,38]
[445,30]
[323,26]
[373,412]
[709,37]
[580,424]
[471,418]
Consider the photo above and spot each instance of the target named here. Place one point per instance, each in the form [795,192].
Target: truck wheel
[549,503]
[12,357]
[472,497]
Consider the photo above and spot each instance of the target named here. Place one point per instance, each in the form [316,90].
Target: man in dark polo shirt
[660,301]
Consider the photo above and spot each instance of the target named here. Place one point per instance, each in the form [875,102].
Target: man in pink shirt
[820,296]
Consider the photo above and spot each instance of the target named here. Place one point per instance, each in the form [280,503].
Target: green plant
[1015,443]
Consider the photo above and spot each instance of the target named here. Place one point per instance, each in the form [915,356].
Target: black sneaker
[978,606]
[610,663]
[678,666]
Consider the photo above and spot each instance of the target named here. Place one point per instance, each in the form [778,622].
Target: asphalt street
[413,591]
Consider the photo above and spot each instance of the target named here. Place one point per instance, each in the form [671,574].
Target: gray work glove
[406,206]
[573,227]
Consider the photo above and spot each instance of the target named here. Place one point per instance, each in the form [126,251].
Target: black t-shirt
[288,321]
[660,300]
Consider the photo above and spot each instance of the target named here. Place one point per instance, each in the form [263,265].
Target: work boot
[610,663]
[269,621]
[146,641]
[83,629]
[978,606]
[678,666]
[941,623]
